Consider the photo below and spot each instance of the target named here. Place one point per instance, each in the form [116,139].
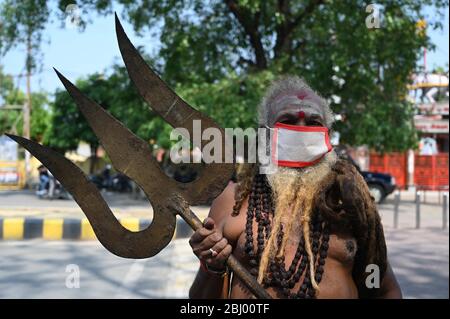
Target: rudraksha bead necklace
[261,209]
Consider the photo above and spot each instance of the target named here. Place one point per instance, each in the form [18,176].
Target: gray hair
[286,85]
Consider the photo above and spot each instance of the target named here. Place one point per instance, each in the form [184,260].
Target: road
[47,269]
[41,269]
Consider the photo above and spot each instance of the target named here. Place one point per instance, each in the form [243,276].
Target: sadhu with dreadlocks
[310,229]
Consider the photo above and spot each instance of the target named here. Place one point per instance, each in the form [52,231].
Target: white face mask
[299,146]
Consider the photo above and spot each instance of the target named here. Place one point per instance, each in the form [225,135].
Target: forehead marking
[301,115]
[302,96]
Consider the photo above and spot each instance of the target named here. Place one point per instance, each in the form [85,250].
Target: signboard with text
[437,108]
[9,169]
[8,149]
[432,125]
[9,174]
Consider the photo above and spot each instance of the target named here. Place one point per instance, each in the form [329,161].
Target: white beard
[293,191]
[284,178]
[288,183]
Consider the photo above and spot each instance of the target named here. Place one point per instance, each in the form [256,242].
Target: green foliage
[9,94]
[381,127]
[127,106]
[209,49]
[114,93]
[221,56]
[22,23]
[40,115]
[8,121]
[11,121]
[231,102]
[67,125]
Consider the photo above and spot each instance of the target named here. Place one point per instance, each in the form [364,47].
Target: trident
[132,156]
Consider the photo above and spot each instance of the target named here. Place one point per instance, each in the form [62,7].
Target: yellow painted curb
[130,223]
[13,228]
[52,229]
[86,230]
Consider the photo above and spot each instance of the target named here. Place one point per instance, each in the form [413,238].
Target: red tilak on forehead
[301,115]
[302,95]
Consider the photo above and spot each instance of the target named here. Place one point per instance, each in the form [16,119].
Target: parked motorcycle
[49,187]
[115,183]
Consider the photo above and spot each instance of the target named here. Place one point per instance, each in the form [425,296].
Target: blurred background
[382,66]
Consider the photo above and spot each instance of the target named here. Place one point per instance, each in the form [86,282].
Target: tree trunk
[250,24]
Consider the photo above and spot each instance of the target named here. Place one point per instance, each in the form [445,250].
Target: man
[309,230]
[44,180]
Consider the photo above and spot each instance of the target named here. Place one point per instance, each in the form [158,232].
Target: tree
[364,72]
[128,106]
[67,125]
[11,120]
[114,93]
[208,43]
[231,101]
[23,22]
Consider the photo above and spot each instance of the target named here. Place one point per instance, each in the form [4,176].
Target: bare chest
[342,245]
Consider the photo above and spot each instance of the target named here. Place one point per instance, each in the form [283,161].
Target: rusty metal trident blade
[177,113]
[132,156]
[107,228]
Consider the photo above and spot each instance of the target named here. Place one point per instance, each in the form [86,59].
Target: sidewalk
[26,204]
[431,210]
[420,260]
[24,216]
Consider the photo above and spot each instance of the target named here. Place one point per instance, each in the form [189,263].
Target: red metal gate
[431,172]
[394,164]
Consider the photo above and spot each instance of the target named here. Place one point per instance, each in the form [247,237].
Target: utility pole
[27,107]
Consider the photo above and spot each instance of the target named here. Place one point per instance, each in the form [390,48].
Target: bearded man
[309,230]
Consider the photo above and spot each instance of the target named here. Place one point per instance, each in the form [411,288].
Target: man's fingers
[220,245]
[222,257]
[199,248]
[208,223]
[214,250]
[200,234]
[220,260]
[210,241]
[205,231]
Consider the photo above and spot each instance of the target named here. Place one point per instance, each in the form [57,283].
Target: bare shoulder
[222,206]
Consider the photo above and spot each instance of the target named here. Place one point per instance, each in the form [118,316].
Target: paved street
[26,204]
[420,261]
[41,269]
[37,269]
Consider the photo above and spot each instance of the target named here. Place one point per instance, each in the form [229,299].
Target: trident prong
[111,234]
[177,113]
[132,156]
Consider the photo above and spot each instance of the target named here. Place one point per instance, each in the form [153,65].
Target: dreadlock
[346,203]
[244,175]
[343,202]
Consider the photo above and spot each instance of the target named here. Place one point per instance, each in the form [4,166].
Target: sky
[77,54]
